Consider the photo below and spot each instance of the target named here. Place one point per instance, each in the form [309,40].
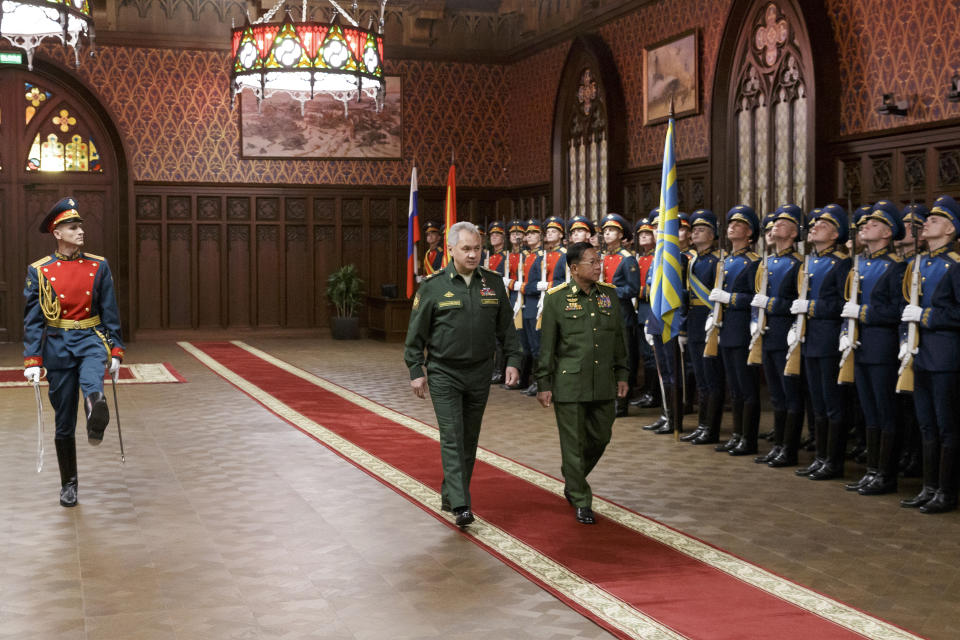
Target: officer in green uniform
[582,369]
[458,315]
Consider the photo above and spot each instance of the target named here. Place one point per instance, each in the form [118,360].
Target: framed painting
[671,72]
[279,130]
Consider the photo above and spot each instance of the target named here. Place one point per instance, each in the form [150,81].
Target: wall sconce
[953,94]
[891,106]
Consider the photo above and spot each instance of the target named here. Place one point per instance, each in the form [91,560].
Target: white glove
[682,341]
[844,342]
[516,286]
[754,327]
[708,325]
[760,301]
[799,306]
[792,336]
[419,279]
[542,286]
[719,295]
[911,313]
[506,283]
[114,365]
[850,310]
[648,337]
[32,374]
[904,350]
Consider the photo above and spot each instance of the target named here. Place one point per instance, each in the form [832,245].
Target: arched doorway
[55,141]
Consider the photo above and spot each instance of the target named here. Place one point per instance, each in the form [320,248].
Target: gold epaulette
[796,254]
[559,287]
[840,254]
[624,253]
[894,257]
[752,255]
[606,284]
[93,257]
[42,261]
[562,249]
[954,256]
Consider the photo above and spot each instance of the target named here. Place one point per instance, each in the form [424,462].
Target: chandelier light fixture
[26,23]
[306,59]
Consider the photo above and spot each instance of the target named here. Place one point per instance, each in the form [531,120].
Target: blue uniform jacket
[939,348]
[704,267]
[881,305]
[531,296]
[57,348]
[782,270]
[626,279]
[828,278]
[739,280]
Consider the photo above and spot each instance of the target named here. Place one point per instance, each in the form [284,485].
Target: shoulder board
[954,256]
[624,253]
[715,253]
[839,254]
[42,261]
[894,257]
[752,255]
[488,270]
[93,257]
[434,275]
[559,287]
[606,284]
[563,249]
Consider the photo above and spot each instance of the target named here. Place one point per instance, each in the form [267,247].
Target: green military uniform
[459,325]
[582,358]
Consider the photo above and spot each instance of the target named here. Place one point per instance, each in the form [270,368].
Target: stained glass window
[35,98]
[60,143]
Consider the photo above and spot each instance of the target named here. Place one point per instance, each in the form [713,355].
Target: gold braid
[49,303]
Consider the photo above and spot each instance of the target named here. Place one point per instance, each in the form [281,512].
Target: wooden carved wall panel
[208,208]
[269,277]
[149,270]
[914,168]
[324,209]
[238,208]
[352,210]
[268,208]
[324,262]
[296,209]
[948,168]
[148,207]
[298,292]
[209,279]
[178,208]
[179,277]
[238,275]
[882,174]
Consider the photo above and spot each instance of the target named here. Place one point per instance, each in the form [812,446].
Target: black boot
[673,405]
[946,496]
[836,453]
[703,411]
[736,409]
[751,427]
[532,390]
[931,475]
[714,417]
[98,416]
[67,459]
[820,440]
[622,406]
[885,478]
[873,456]
[779,425]
[791,441]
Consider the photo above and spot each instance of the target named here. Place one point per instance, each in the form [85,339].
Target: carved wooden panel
[268,208]
[324,262]
[948,167]
[324,209]
[178,208]
[148,207]
[179,277]
[296,209]
[238,208]
[149,269]
[208,208]
[238,275]
[269,278]
[882,174]
[298,294]
[209,278]
[352,210]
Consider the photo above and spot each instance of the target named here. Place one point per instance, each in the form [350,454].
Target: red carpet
[141,373]
[634,584]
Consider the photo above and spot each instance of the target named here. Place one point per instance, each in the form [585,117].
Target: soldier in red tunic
[71,326]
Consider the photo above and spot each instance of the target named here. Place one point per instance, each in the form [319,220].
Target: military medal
[603,300]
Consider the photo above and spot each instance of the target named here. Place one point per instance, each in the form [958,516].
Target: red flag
[450,210]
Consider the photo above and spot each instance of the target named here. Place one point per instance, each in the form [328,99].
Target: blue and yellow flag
[666,293]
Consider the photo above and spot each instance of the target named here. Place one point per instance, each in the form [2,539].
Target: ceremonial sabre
[116,412]
[36,390]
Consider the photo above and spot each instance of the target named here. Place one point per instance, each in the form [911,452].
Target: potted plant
[344,289]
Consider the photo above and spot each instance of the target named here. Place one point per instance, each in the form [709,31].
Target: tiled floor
[227,523]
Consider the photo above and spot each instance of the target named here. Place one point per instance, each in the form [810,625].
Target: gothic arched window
[61,137]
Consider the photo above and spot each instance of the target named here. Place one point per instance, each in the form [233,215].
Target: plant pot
[345,328]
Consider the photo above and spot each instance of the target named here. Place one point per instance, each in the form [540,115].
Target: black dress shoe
[926,495]
[827,471]
[730,444]
[814,466]
[772,454]
[646,401]
[940,503]
[784,459]
[706,438]
[496,378]
[880,484]
[531,390]
[862,482]
[585,515]
[68,494]
[693,435]
[98,415]
[656,424]
[464,516]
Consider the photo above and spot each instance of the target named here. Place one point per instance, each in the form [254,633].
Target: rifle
[799,329]
[518,306]
[710,350]
[905,374]
[761,281]
[543,290]
[846,360]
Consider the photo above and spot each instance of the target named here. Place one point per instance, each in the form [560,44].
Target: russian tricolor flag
[413,234]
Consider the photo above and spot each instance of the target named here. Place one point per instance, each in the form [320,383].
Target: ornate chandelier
[25,23]
[305,59]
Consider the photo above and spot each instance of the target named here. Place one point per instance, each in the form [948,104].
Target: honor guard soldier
[708,372]
[458,315]
[515,256]
[71,326]
[827,271]
[937,359]
[877,314]
[580,229]
[433,258]
[645,230]
[582,370]
[531,286]
[736,294]
[786,397]
[496,261]
[556,253]
[619,268]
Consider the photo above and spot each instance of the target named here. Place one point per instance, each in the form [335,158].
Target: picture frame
[279,130]
[671,69]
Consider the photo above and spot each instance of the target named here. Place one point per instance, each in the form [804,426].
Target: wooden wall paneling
[149,281]
[238,275]
[298,289]
[324,262]
[209,262]
[269,276]
[179,276]
[8,271]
